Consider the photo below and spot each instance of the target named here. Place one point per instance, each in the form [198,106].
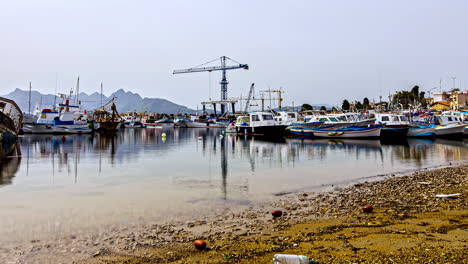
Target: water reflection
[192,151]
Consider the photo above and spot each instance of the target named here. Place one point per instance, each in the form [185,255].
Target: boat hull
[34,128]
[421,132]
[159,125]
[265,131]
[365,132]
[394,132]
[108,126]
[450,130]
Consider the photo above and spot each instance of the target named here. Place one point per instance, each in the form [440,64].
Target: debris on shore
[407,224]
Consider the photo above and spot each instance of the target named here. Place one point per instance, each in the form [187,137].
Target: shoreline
[252,236]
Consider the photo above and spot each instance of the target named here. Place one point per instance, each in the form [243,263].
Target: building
[456,100]
[441,106]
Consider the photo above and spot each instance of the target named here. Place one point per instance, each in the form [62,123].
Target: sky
[316,51]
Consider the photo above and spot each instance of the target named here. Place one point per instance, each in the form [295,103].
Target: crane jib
[214,68]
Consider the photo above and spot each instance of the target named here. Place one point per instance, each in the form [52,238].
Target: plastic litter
[292,259]
[447,195]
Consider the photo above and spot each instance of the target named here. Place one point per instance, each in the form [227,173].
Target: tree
[306,107]
[358,105]
[415,91]
[366,103]
[405,98]
[323,108]
[345,106]
[421,96]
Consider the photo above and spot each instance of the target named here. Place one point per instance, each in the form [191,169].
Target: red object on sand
[277,213]
[367,209]
[200,244]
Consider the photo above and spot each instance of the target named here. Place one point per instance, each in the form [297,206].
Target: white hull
[200,124]
[159,125]
[34,128]
[450,130]
[349,134]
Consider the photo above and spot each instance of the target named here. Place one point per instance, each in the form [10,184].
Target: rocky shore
[409,224]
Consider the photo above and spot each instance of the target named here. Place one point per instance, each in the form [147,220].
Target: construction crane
[251,92]
[222,68]
[269,91]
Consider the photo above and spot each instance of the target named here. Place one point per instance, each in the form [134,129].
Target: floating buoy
[368,208]
[63,139]
[163,135]
[200,244]
[277,213]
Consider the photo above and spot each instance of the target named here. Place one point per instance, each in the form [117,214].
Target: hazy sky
[318,51]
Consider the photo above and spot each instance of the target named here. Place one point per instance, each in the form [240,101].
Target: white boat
[198,123]
[394,125]
[259,124]
[449,125]
[313,116]
[161,123]
[287,118]
[67,119]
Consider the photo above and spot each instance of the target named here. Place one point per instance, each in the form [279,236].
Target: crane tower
[223,68]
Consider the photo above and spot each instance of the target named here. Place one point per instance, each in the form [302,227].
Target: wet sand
[408,225]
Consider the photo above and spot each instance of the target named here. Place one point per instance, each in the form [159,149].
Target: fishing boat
[196,122]
[312,116]
[448,126]
[372,131]
[421,130]
[394,126]
[259,124]
[107,121]
[161,123]
[62,119]
[10,124]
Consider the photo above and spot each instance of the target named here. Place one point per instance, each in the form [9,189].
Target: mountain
[126,102]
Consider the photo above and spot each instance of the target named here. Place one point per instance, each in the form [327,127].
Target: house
[441,105]
[456,99]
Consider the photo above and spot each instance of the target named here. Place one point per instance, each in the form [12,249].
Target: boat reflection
[196,152]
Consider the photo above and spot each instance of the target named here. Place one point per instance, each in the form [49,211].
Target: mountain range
[126,102]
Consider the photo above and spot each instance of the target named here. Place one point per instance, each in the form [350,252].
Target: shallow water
[83,184]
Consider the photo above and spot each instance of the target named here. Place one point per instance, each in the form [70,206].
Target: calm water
[84,184]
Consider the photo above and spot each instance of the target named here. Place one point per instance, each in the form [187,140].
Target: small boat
[198,123]
[259,124]
[449,125]
[421,130]
[394,126]
[344,132]
[161,123]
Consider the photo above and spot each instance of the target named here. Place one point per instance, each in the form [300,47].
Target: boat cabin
[447,119]
[257,119]
[286,117]
[392,119]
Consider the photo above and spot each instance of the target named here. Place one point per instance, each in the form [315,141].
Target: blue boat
[344,132]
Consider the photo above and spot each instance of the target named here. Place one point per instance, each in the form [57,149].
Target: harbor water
[57,186]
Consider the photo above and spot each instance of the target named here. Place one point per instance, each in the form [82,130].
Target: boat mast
[77,90]
[29,107]
[101,96]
